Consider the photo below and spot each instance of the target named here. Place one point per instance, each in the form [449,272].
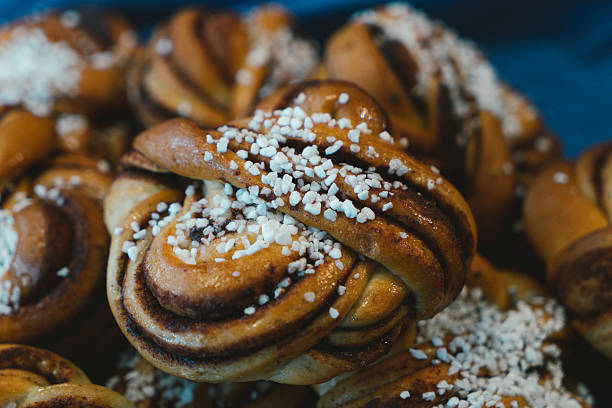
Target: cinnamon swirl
[446,105]
[31,377]
[291,245]
[70,61]
[567,219]
[52,258]
[213,66]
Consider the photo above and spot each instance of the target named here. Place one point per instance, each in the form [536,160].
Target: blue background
[559,53]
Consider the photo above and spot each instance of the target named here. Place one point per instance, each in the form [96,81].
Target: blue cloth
[557,52]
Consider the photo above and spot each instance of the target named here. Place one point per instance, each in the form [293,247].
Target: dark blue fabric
[558,52]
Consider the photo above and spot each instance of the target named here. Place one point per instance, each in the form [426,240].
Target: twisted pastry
[31,377]
[80,134]
[305,251]
[445,103]
[489,348]
[25,139]
[567,218]
[71,61]
[147,387]
[213,66]
[53,250]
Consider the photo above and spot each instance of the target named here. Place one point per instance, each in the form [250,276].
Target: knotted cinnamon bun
[446,104]
[147,387]
[213,66]
[492,348]
[31,377]
[65,61]
[291,245]
[567,218]
[53,249]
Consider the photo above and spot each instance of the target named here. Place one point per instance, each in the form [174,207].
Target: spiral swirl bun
[471,354]
[567,218]
[445,103]
[283,263]
[213,66]
[82,56]
[53,250]
[31,377]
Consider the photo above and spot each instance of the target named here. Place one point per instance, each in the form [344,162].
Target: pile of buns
[226,215]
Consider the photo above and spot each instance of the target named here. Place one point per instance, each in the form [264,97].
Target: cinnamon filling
[41,254]
[585,283]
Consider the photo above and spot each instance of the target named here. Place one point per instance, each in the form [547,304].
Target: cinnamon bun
[490,348]
[25,139]
[213,66]
[70,61]
[76,133]
[290,245]
[567,218]
[31,377]
[53,250]
[446,105]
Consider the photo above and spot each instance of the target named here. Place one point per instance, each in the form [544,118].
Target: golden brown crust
[566,219]
[54,269]
[54,244]
[79,134]
[187,144]
[63,222]
[485,137]
[25,139]
[213,66]
[423,375]
[556,213]
[332,319]
[31,377]
[103,36]
[593,173]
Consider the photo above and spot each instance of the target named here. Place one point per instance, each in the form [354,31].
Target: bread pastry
[213,66]
[567,218]
[76,133]
[53,242]
[25,139]
[291,245]
[31,377]
[445,103]
[147,387]
[53,251]
[490,348]
[71,61]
